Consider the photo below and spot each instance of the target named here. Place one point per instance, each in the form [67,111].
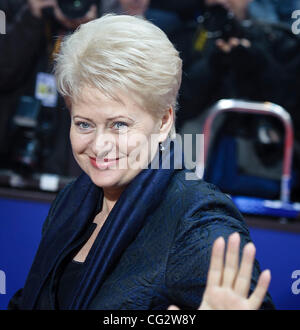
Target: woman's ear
[166,123]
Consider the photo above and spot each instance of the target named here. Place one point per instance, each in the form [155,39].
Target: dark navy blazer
[167,261]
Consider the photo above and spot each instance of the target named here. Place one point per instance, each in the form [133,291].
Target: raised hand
[228,285]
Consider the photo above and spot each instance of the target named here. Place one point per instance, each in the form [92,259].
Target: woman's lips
[103,164]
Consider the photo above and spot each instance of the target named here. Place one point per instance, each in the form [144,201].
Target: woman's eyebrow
[82,117]
[108,119]
[121,116]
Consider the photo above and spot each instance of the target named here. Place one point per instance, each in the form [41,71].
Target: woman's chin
[107,178]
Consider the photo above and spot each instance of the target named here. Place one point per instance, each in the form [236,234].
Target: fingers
[37,6]
[232,260]
[227,46]
[173,308]
[215,271]
[47,3]
[89,16]
[233,278]
[59,14]
[224,46]
[257,297]
[243,280]
[231,274]
[92,13]
[245,43]
[232,43]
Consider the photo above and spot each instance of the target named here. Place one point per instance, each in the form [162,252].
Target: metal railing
[265,108]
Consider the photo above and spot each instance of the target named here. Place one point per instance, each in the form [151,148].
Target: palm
[223,298]
[228,284]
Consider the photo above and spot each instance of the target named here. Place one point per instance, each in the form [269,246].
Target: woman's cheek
[79,142]
[73,137]
[122,145]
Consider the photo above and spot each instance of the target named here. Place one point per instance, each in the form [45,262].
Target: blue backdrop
[20,232]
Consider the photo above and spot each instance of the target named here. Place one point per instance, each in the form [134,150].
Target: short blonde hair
[121,52]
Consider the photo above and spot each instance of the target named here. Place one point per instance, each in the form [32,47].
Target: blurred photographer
[236,56]
[232,56]
[33,125]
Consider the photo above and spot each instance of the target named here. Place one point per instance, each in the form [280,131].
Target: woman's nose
[102,144]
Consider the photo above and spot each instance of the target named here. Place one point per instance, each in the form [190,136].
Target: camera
[75,8]
[220,23]
[72,9]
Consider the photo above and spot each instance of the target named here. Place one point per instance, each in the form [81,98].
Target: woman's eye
[120,125]
[83,125]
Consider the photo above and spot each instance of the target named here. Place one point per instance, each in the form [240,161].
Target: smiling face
[113,141]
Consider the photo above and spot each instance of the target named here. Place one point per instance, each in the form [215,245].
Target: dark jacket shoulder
[210,214]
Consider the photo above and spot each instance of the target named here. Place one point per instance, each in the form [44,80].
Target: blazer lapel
[68,222]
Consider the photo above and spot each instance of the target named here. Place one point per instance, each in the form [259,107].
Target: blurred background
[241,75]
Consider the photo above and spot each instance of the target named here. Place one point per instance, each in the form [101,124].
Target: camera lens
[221,22]
[75,8]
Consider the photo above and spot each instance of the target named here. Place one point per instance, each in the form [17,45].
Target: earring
[161,147]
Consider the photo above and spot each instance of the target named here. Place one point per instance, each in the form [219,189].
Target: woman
[132,232]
